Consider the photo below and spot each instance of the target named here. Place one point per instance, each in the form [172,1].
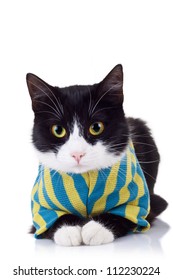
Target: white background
[69,42]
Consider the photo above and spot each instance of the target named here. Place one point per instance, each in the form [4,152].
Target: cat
[80,129]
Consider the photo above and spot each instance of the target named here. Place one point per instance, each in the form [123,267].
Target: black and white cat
[72,112]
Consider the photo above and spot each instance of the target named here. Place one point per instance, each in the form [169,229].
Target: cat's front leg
[95,233]
[104,228]
[66,231]
[68,236]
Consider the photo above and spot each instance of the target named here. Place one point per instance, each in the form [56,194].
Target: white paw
[94,233]
[68,236]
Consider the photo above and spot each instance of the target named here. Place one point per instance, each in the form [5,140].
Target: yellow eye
[96,128]
[58,131]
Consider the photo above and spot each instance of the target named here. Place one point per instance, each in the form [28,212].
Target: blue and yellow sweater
[121,190]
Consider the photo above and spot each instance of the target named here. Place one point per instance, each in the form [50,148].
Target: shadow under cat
[149,242]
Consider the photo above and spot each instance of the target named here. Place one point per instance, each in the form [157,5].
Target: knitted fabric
[120,190]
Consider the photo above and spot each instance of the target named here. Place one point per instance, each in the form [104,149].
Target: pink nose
[77,156]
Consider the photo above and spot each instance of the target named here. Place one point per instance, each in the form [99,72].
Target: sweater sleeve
[137,208]
[44,218]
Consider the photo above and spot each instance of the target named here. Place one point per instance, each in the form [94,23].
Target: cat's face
[79,128]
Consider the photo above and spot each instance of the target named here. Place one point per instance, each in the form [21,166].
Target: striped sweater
[120,190]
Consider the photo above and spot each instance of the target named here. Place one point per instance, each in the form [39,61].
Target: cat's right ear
[112,85]
[38,90]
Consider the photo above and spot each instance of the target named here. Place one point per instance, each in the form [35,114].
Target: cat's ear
[112,85]
[38,90]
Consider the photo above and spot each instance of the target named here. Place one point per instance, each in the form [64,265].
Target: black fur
[149,158]
[99,102]
[119,226]
[79,102]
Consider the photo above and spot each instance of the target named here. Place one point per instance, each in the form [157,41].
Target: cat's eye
[58,131]
[96,128]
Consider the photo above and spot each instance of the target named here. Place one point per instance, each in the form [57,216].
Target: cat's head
[79,128]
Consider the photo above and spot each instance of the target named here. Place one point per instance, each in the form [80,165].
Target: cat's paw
[68,236]
[94,233]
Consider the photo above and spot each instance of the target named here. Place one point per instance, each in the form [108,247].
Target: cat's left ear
[38,90]
[112,85]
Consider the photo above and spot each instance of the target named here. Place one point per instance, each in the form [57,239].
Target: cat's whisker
[121,177]
[49,112]
[117,145]
[115,148]
[149,174]
[104,175]
[151,161]
[89,108]
[134,142]
[47,94]
[60,109]
[60,104]
[137,135]
[106,108]
[56,99]
[142,143]
[41,172]
[147,152]
[115,137]
[132,135]
[51,170]
[113,87]
[55,172]
[122,171]
[48,105]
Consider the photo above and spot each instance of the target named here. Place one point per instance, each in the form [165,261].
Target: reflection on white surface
[149,242]
[143,249]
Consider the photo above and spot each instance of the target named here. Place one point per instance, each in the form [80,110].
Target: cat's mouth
[80,168]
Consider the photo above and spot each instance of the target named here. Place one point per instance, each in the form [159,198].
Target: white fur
[94,233]
[68,236]
[96,156]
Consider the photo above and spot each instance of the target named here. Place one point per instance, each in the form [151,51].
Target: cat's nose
[77,156]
